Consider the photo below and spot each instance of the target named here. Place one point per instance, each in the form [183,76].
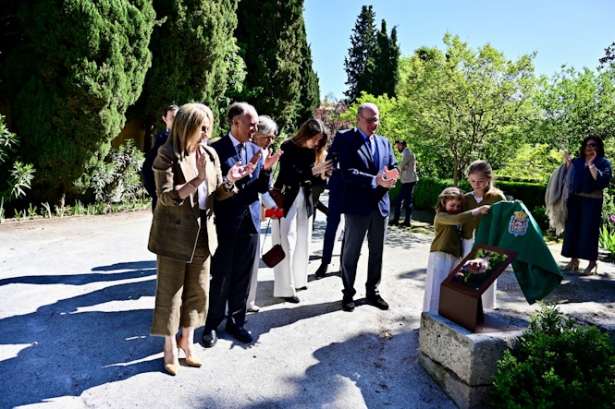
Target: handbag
[278,196]
[275,254]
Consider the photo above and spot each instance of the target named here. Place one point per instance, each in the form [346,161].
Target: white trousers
[439,266]
[254,278]
[294,233]
[488,297]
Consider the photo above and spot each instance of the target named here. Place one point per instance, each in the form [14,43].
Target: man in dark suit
[237,225]
[168,116]
[334,210]
[364,160]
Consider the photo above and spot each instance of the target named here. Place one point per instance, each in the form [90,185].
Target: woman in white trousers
[301,165]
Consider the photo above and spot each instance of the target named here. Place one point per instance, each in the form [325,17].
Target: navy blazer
[231,212]
[336,181]
[358,171]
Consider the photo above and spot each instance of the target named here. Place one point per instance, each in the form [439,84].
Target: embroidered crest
[518,223]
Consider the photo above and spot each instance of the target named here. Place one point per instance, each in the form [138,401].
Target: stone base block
[460,361]
[461,393]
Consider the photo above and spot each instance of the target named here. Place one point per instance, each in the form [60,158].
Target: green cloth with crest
[510,226]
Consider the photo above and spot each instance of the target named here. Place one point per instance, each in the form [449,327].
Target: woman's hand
[201,165]
[484,209]
[322,167]
[592,158]
[568,159]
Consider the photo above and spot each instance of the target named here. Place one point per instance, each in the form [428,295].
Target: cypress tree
[381,74]
[309,97]
[268,32]
[193,53]
[87,63]
[363,44]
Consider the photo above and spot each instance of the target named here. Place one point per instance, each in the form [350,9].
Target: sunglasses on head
[590,145]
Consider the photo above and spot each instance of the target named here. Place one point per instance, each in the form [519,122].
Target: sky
[570,32]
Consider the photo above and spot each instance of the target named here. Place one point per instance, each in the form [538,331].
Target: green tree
[271,34]
[576,104]
[86,64]
[309,93]
[362,44]
[194,55]
[381,73]
[464,104]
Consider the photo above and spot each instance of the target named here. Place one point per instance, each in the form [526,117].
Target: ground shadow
[139,269]
[71,345]
[385,370]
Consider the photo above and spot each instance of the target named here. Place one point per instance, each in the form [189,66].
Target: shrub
[560,364]
[116,179]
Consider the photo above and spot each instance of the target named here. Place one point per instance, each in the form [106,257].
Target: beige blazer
[177,223]
[408,166]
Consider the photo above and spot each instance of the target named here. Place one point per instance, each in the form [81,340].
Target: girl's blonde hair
[186,129]
[450,193]
[484,168]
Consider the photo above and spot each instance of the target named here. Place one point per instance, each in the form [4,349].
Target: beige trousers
[182,291]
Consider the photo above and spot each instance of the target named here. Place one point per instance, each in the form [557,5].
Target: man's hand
[239,172]
[382,180]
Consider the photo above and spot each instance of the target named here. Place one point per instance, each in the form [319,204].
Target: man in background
[408,182]
[168,116]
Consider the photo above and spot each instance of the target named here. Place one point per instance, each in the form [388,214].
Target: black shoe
[377,300]
[348,304]
[301,288]
[322,270]
[294,300]
[406,224]
[240,333]
[393,223]
[209,338]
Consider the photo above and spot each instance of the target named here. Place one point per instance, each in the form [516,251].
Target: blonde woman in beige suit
[188,181]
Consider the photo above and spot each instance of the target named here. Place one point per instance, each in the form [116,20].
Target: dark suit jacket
[176,223]
[148,173]
[358,170]
[336,181]
[230,213]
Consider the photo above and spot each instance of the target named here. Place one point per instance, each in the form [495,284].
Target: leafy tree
[193,53]
[464,104]
[363,43]
[86,63]
[381,74]
[330,112]
[531,163]
[576,104]
[271,34]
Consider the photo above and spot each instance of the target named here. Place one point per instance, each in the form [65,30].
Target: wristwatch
[228,185]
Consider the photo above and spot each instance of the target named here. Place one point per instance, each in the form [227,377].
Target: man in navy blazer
[237,226]
[334,211]
[364,159]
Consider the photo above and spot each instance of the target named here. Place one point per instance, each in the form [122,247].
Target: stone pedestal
[460,361]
